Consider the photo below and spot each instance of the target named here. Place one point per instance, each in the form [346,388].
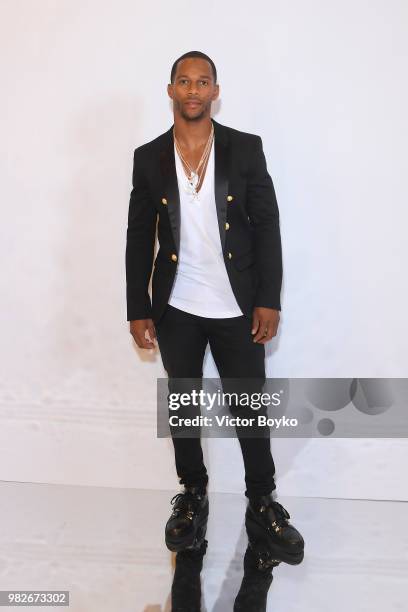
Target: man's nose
[193,88]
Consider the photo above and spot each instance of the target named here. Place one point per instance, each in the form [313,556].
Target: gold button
[164,201]
[229,255]
[227,226]
[174,257]
[230,198]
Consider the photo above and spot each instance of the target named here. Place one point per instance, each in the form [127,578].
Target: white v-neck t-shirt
[201,285]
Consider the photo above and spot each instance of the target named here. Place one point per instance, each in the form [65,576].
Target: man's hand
[138,328]
[265,323]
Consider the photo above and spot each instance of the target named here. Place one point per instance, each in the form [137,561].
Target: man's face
[193,89]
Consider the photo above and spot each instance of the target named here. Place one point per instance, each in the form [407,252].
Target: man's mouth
[192,103]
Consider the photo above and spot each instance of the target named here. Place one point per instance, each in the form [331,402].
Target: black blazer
[248,223]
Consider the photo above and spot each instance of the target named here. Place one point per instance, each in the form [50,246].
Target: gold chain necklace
[194,176]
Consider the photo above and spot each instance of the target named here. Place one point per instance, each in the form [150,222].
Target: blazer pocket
[244,261]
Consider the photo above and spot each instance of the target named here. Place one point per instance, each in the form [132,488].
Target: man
[217,280]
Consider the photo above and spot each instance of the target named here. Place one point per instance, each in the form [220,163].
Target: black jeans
[182,338]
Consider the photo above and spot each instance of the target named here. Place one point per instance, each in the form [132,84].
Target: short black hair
[193,54]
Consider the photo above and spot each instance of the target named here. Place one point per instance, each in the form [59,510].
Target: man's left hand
[265,323]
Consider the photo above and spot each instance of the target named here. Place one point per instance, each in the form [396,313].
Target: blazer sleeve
[140,239]
[263,213]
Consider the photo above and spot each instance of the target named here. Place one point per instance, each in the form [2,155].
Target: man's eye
[204,82]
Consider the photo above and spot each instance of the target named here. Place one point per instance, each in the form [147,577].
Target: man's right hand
[138,328]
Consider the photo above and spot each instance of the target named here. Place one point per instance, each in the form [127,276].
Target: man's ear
[170,90]
[216,92]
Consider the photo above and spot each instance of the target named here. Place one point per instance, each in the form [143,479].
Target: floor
[105,546]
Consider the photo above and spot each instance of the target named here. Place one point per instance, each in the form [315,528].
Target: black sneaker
[186,586]
[187,525]
[270,533]
[253,593]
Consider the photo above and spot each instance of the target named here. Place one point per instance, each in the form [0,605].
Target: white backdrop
[83,84]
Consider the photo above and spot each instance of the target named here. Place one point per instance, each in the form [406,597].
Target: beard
[195,117]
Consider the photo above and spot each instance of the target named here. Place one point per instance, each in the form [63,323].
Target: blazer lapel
[221,179]
[170,185]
